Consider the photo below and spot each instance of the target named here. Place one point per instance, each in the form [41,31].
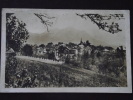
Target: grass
[21,73]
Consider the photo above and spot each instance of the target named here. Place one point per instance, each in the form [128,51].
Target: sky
[68,27]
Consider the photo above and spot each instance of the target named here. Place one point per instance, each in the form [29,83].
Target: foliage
[107,63]
[87,43]
[27,50]
[51,55]
[42,45]
[45,19]
[102,21]
[67,60]
[21,73]
[16,32]
[61,49]
[11,65]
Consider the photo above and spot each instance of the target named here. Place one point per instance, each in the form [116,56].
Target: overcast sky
[66,22]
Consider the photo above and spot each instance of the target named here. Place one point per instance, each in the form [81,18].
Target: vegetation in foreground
[22,73]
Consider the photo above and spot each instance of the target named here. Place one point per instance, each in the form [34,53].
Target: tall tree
[16,32]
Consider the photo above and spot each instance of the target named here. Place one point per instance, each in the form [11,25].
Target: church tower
[81,41]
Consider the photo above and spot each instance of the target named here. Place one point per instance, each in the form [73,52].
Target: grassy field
[21,73]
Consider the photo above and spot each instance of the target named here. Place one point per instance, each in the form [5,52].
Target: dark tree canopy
[27,50]
[16,32]
[100,48]
[87,43]
[62,49]
[51,55]
[42,45]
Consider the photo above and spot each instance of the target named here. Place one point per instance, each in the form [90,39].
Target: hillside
[48,75]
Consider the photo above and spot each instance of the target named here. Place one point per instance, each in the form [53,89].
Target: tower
[81,41]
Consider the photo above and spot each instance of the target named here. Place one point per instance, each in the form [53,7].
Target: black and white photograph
[50,50]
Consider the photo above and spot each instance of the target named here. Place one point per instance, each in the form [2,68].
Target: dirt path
[40,60]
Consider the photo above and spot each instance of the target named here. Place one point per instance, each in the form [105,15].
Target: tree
[16,32]
[27,50]
[62,49]
[51,55]
[102,21]
[100,48]
[109,48]
[45,20]
[87,43]
[42,45]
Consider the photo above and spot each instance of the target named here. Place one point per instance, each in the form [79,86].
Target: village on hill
[80,58]
[62,51]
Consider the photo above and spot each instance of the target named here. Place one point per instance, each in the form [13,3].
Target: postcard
[65,50]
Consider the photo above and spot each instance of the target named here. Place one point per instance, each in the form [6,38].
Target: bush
[93,68]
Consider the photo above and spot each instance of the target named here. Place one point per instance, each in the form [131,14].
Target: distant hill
[66,35]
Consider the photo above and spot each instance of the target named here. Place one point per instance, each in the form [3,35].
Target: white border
[127,89]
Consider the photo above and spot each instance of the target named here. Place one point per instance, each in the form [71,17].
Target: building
[10,52]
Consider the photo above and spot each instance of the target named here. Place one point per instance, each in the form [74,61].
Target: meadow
[21,73]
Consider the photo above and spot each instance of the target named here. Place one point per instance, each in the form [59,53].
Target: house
[73,51]
[105,50]
[80,50]
[88,49]
[41,51]
[10,52]
[34,48]
[73,54]
[121,49]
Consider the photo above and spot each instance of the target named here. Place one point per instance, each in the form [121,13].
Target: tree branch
[99,20]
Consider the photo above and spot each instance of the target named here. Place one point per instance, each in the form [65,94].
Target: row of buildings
[61,50]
